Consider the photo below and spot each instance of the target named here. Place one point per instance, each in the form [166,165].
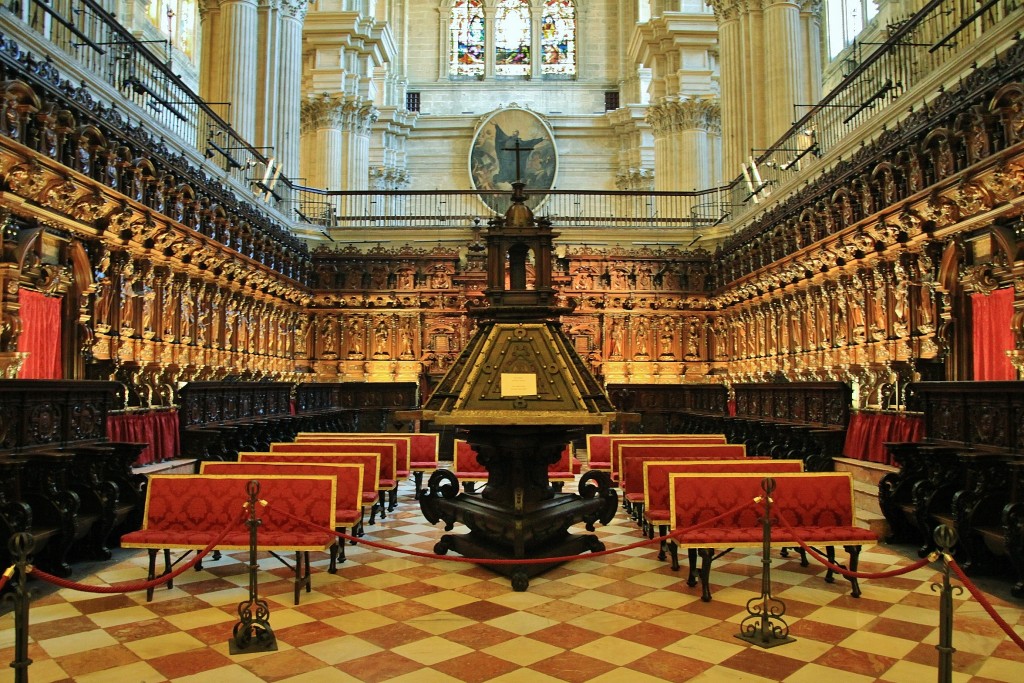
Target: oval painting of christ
[512,144]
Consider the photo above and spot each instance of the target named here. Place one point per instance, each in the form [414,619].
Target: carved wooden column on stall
[11,359]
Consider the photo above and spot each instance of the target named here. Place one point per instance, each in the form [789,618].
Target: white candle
[757,174]
[746,177]
[270,168]
[277,174]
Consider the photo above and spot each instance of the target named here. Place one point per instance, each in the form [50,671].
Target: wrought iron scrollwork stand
[21,546]
[945,538]
[764,624]
[252,633]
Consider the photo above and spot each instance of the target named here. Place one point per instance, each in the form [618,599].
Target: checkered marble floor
[619,618]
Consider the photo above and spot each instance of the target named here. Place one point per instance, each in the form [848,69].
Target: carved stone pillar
[769,62]
[335,142]
[235,65]
[682,159]
[289,97]
[784,65]
[731,56]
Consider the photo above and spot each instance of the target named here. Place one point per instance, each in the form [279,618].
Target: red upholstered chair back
[599,446]
[423,449]
[563,468]
[369,461]
[403,445]
[466,465]
[656,451]
[388,452]
[194,503]
[656,477]
[349,478]
[810,499]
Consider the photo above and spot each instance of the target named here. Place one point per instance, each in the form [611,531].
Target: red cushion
[657,516]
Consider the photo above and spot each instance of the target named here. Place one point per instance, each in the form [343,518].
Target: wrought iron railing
[461,208]
[142,72]
[881,74]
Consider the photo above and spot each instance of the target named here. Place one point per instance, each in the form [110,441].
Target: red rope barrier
[8,573]
[487,561]
[131,586]
[984,602]
[846,572]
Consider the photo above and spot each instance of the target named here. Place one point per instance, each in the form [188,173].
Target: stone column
[235,70]
[754,93]
[810,24]
[682,160]
[336,142]
[210,52]
[321,148]
[731,55]
[289,98]
[489,41]
[714,119]
[785,77]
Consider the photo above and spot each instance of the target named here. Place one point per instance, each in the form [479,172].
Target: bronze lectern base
[499,533]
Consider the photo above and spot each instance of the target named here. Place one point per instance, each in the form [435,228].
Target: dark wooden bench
[220,419]
[966,472]
[792,420]
[60,478]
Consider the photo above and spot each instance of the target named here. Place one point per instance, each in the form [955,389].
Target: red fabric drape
[40,335]
[868,431]
[992,335]
[158,428]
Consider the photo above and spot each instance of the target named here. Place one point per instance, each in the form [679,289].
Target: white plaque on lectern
[518,384]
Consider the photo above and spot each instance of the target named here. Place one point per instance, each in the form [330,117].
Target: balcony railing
[916,48]
[439,209]
[941,31]
[142,72]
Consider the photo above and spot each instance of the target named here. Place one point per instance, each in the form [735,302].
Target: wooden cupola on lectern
[511,240]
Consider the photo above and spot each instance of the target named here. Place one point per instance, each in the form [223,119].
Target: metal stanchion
[21,545]
[945,538]
[252,633]
[764,625]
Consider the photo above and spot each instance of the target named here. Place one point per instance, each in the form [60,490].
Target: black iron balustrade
[438,209]
[913,50]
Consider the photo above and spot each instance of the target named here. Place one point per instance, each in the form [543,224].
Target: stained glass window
[512,38]
[467,38]
[558,37]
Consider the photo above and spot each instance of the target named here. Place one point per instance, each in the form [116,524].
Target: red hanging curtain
[992,335]
[40,335]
